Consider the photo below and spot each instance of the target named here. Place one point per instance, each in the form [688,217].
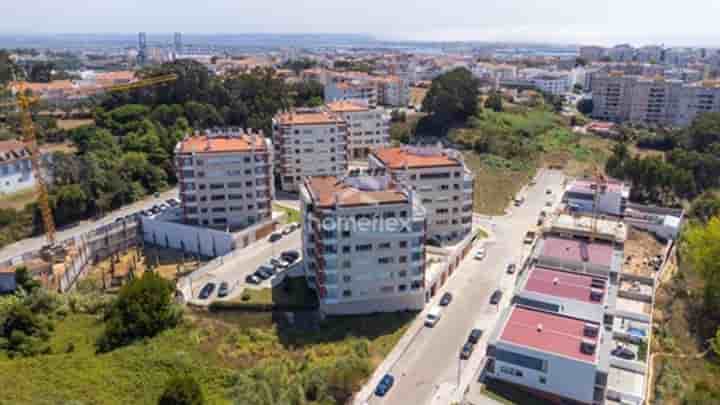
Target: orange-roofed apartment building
[309,142]
[368,128]
[363,238]
[225,179]
[442,181]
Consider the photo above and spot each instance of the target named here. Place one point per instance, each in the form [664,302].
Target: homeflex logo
[364,224]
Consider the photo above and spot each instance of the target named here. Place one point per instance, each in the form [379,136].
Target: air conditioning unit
[588,346]
[591,330]
[597,283]
[596,294]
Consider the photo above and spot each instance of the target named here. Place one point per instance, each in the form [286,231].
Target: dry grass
[495,186]
[72,124]
[18,200]
[66,147]
[417,95]
[640,247]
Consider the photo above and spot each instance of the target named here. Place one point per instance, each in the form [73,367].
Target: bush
[24,333]
[182,391]
[143,308]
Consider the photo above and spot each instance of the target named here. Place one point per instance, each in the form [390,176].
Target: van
[433,316]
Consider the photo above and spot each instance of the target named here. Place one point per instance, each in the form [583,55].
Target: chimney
[539,327]
[556,281]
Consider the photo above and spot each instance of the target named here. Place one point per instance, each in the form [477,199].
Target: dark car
[623,353]
[252,279]
[263,274]
[467,350]
[445,300]
[207,291]
[475,336]
[511,268]
[224,289]
[384,385]
[275,237]
[290,256]
[496,297]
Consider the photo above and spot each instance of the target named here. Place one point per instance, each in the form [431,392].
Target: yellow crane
[24,102]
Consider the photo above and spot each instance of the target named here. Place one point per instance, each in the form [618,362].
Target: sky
[602,22]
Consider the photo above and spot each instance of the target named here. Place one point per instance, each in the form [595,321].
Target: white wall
[175,235]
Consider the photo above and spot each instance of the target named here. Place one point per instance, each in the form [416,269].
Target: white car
[480,254]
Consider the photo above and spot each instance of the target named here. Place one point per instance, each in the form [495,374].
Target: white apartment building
[443,183]
[556,84]
[225,178]
[15,167]
[611,196]
[368,128]
[340,88]
[393,91]
[363,238]
[309,142]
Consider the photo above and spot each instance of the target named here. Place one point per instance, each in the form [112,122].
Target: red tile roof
[572,250]
[400,157]
[308,118]
[328,190]
[347,106]
[546,332]
[561,284]
[205,144]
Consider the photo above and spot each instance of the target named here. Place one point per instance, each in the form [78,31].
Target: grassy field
[211,347]
[293,216]
[510,395]
[496,182]
[72,124]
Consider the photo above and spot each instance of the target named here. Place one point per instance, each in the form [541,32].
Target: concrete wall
[406,302]
[192,239]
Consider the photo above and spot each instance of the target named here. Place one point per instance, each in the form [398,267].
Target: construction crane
[600,187]
[24,102]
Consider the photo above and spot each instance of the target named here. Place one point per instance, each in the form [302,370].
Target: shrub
[24,333]
[143,308]
[182,391]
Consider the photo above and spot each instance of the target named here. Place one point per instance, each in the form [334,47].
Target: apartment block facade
[444,184]
[363,238]
[655,101]
[15,167]
[339,88]
[309,142]
[225,179]
[368,127]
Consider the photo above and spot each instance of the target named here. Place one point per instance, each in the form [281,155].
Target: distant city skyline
[637,22]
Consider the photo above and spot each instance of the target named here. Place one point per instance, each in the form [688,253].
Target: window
[346,249]
[402,287]
[347,279]
[346,264]
[385,245]
[402,273]
[403,244]
[385,260]
[543,380]
[218,209]
[217,198]
[388,289]
[347,293]
[363,248]
[402,259]
[217,186]
[521,360]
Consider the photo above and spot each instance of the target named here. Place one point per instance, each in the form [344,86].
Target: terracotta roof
[205,144]
[307,118]
[399,158]
[546,332]
[347,106]
[329,190]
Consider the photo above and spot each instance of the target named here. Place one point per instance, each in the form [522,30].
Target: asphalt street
[429,367]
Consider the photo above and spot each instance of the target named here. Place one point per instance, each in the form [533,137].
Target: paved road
[431,362]
[31,244]
[238,265]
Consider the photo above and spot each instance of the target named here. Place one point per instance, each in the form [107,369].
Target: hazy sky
[685,22]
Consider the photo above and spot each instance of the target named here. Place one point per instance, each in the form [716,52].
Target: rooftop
[220,144]
[583,225]
[415,157]
[327,191]
[311,117]
[546,332]
[562,284]
[11,150]
[347,106]
[589,186]
[578,251]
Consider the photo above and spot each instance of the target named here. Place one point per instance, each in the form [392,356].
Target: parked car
[480,254]
[384,385]
[224,289]
[496,297]
[263,272]
[433,316]
[279,263]
[475,336]
[207,291]
[446,299]
[623,353]
[275,237]
[548,191]
[173,202]
[290,256]
[467,350]
[511,268]
[252,279]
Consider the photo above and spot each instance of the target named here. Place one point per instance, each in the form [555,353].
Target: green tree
[452,98]
[69,204]
[144,307]
[494,102]
[705,207]
[183,390]
[24,333]
[701,248]
[24,279]
[585,106]
[41,72]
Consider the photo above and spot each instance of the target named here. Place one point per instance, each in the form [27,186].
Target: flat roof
[589,186]
[220,144]
[546,332]
[578,251]
[347,106]
[414,157]
[609,228]
[562,284]
[315,117]
[327,191]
